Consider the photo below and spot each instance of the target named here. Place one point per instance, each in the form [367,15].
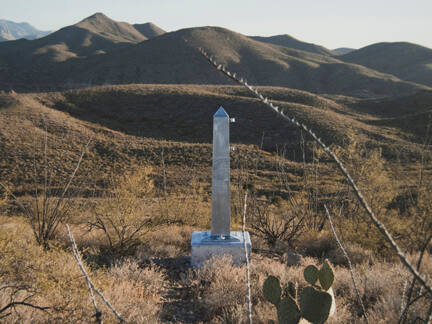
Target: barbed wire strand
[90,284]
[383,230]
[249,297]
[350,267]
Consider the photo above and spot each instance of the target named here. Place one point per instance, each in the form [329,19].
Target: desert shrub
[166,242]
[414,202]
[136,291]
[3,199]
[220,286]
[356,253]
[184,205]
[152,278]
[275,222]
[50,202]
[51,277]
[323,245]
[120,218]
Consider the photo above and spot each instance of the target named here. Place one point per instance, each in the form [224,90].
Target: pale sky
[330,23]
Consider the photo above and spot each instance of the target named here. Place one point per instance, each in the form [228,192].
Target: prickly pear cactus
[315,303]
[272,290]
[291,290]
[326,276]
[287,311]
[311,274]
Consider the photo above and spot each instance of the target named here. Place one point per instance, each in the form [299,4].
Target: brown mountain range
[99,50]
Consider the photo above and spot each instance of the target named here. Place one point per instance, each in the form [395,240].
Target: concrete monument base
[205,246]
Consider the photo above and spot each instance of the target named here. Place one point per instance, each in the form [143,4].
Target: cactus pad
[288,311]
[311,274]
[326,276]
[272,290]
[291,290]
[315,305]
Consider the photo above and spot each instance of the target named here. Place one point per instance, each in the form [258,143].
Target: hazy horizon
[331,24]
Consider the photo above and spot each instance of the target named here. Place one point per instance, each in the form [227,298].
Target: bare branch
[22,303]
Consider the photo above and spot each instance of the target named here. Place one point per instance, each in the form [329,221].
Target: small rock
[291,259]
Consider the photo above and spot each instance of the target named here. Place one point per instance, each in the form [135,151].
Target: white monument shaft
[220,240]
[221,215]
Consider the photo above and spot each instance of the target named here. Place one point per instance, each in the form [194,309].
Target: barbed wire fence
[357,192]
[91,286]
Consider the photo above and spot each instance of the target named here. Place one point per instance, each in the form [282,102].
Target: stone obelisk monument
[221,211]
[220,240]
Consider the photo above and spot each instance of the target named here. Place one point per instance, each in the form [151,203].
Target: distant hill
[117,32]
[291,42]
[343,50]
[97,34]
[260,63]
[149,30]
[10,30]
[70,58]
[407,61]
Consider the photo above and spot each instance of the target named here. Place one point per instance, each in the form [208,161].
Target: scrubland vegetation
[135,199]
[134,234]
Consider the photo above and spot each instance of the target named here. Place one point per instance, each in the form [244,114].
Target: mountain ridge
[98,50]
[149,30]
[291,42]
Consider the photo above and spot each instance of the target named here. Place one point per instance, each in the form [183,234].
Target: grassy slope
[183,113]
[23,120]
[140,121]
[132,122]
[407,61]
[410,114]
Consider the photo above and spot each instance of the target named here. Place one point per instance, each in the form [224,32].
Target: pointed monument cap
[221,113]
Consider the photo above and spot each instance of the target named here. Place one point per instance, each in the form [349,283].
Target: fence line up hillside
[333,156]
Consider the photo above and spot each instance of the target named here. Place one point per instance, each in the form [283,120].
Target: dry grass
[54,278]
[218,289]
